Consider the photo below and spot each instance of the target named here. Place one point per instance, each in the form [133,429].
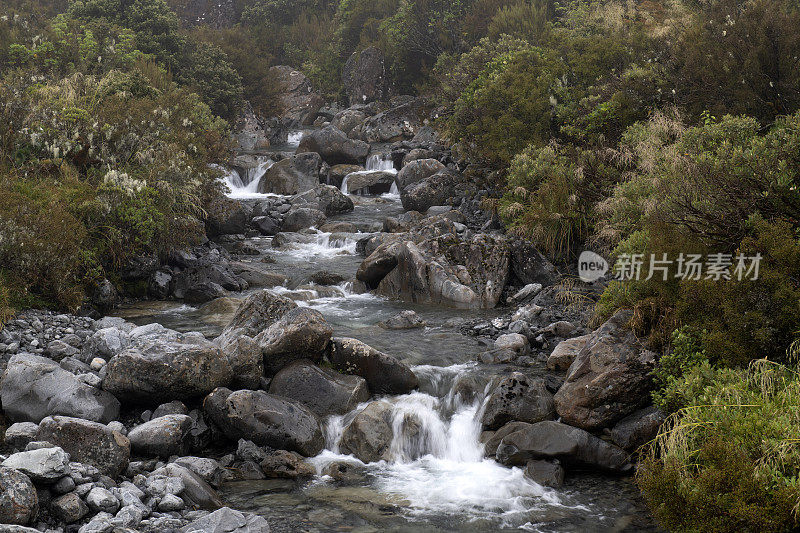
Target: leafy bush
[670,377]
[729,461]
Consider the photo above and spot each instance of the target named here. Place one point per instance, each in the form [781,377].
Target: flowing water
[436,477]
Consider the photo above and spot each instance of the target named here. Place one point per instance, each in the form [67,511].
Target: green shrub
[674,389]
[729,461]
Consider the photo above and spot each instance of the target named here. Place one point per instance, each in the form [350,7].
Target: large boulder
[609,379]
[265,419]
[165,365]
[384,374]
[19,503]
[323,391]
[299,218]
[326,198]
[227,520]
[395,124]
[364,76]
[348,119]
[638,428]
[439,189]
[518,398]
[373,180]
[162,436]
[565,352]
[298,102]
[292,175]
[334,146]
[369,435]
[42,465]
[416,171]
[88,442]
[226,217]
[554,440]
[34,387]
[301,333]
[530,266]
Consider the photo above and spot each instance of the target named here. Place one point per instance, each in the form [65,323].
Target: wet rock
[518,398]
[20,434]
[227,520]
[369,179]
[384,374]
[554,440]
[167,366]
[69,508]
[34,387]
[88,442]
[407,319]
[297,100]
[334,146]
[326,198]
[226,217]
[638,428]
[491,439]
[324,277]
[364,76]
[301,333]
[369,435]
[42,465]
[565,352]
[163,436]
[292,175]
[438,189]
[416,171]
[299,218]
[265,419]
[286,465]
[609,379]
[323,391]
[379,263]
[19,503]
[547,473]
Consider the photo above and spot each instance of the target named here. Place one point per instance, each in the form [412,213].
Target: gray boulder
[348,119]
[298,102]
[226,217]
[18,435]
[227,520]
[42,465]
[416,171]
[323,391]
[334,146]
[19,503]
[609,379]
[105,343]
[102,500]
[547,473]
[397,123]
[384,374]
[554,440]
[301,333]
[518,398]
[167,366]
[265,419]
[326,198]
[364,76]
[369,178]
[438,189]
[565,352]
[34,387]
[638,428]
[292,175]
[88,442]
[69,508]
[299,218]
[369,435]
[407,319]
[162,437]
[195,491]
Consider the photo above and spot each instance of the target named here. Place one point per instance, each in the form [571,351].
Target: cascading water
[380,162]
[294,138]
[247,187]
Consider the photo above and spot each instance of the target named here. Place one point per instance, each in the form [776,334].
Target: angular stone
[162,437]
[88,442]
[384,374]
[518,398]
[323,391]
[19,502]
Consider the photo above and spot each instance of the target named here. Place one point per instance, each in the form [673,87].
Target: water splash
[247,187]
[294,138]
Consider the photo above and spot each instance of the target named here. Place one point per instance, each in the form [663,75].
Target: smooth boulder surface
[301,333]
[323,391]
[34,387]
[88,442]
[162,437]
[227,520]
[19,502]
[437,189]
[565,352]
[609,379]
[518,398]
[265,419]
[638,428]
[42,465]
[416,171]
[292,175]
[334,146]
[384,374]
[167,366]
[554,440]
[369,435]
[364,76]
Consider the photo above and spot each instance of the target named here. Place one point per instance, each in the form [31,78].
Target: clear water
[436,478]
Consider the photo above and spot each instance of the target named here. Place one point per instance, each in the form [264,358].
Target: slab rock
[554,440]
[43,465]
[384,374]
[34,387]
[167,366]
[609,379]
[88,442]
[323,391]
[265,419]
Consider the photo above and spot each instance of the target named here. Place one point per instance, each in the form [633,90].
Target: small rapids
[247,187]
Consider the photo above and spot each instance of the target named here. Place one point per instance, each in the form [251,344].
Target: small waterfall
[247,187]
[382,162]
[294,138]
[343,188]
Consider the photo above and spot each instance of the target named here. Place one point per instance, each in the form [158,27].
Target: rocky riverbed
[357,347]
